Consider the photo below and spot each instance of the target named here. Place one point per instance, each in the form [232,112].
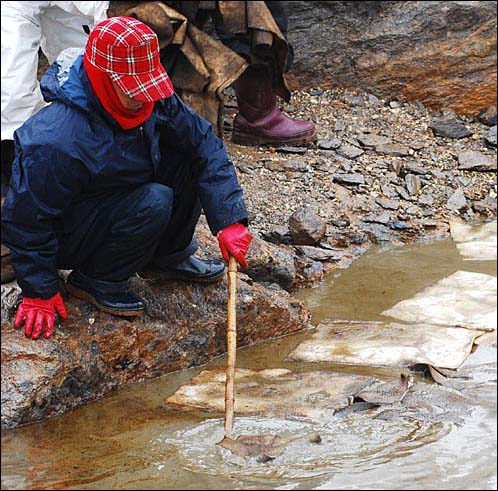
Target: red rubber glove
[235,240]
[38,312]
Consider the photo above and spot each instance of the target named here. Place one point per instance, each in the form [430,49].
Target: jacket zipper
[141,133]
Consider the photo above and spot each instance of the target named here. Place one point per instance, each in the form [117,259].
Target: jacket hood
[71,87]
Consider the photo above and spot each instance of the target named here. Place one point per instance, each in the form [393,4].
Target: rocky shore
[381,172]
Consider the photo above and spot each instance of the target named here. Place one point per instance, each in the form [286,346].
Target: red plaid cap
[128,50]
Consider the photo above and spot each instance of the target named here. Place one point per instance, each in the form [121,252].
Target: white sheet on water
[386,345]
[463,299]
[475,243]
[282,392]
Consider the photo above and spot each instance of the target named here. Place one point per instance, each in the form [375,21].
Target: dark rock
[490,137]
[300,150]
[271,263]
[449,128]
[471,160]
[280,234]
[309,272]
[306,228]
[320,254]
[349,179]
[377,233]
[487,116]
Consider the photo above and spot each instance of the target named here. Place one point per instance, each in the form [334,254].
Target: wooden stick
[231,345]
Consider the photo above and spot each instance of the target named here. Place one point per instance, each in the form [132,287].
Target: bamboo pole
[231,345]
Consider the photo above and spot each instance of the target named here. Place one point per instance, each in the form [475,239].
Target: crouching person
[110,180]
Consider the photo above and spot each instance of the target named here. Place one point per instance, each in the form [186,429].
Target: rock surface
[92,353]
[441,53]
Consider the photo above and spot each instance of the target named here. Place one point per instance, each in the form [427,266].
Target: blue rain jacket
[74,150]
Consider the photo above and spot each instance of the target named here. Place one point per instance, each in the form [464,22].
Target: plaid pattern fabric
[128,50]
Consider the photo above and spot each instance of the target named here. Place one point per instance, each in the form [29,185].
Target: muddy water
[130,440]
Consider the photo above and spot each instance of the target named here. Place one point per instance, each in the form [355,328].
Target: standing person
[27,27]
[259,120]
[110,180]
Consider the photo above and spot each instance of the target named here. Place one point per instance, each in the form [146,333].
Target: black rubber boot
[191,269]
[112,297]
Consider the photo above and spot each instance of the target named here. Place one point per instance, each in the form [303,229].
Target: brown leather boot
[259,120]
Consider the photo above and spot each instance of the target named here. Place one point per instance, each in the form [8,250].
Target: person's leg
[174,255]
[21,96]
[259,120]
[108,239]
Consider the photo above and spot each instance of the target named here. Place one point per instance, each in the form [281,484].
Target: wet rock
[271,263]
[487,116]
[309,272]
[457,200]
[280,234]
[490,137]
[449,128]
[306,227]
[376,232]
[472,160]
[92,353]
[387,392]
[393,149]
